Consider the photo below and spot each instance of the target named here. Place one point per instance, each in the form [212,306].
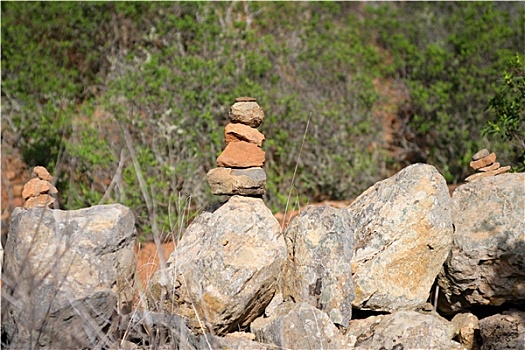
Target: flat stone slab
[246,182]
[487,173]
[241,154]
[234,132]
[483,162]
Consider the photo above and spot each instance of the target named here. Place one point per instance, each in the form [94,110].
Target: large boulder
[318,270]
[225,268]
[298,326]
[402,235]
[66,274]
[504,331]
[486,265]
[404,329]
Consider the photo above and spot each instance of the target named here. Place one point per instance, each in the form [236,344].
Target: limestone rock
[42,173]
[481,154]
[241,154]
[65,274]
[298,326]
[318,270]
[503,331]
[483,162]
[408,329]
[225,267]
[467,329]
[486,266]
[246,182]
[402,235]
[234,132]
[249,113]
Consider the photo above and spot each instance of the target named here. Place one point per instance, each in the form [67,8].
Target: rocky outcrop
[504,331]
[243,151]
[66,274]
[486,265]
[402,229]
[298,326]
[318,270]
[224,271]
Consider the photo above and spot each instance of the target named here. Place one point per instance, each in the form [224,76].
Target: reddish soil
[148,259]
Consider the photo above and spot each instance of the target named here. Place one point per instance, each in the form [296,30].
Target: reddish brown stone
[483,162]
[41,201]
[249,113]
[42,173]
[245,99]
[494,166]
[34,187]
[234,132]
[488,173]
[241,154]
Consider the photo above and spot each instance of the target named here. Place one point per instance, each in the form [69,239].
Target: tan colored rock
[42,201]
[241,154]
[234,132]
[245,99]
[249,113]
[42,173]
[246,182]
[466,326]
[488,173]
[483,162]
[35,186]
[491,167]
[481,154]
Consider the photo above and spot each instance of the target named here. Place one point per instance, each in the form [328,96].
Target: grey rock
[318,269]
[65,274]
[403,232]
[225,268]
[503,331]
[298,326]
[248,113]
[406,330]
[246,182]
[486,265]
[466,326]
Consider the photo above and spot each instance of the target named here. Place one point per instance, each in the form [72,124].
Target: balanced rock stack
[37,191]
[239,169]
[486,165]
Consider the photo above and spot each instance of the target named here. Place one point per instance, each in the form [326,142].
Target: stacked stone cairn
[485,164]
[239,169]
[39,192]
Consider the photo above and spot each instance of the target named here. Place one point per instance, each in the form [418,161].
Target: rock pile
[239,169]
[38,191]
[486,165]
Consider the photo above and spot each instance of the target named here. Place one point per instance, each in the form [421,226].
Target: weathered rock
[402,235]
[362,329]
[503,331]
[65,274]
[491,167]
[298,326]
[408,330]
[241,154]
[483,162]
[487,173]
[486,265]
[35,186]
[466,327]
[42,173]
[481,154]
[249,113]
[318,269]
[234,132]
[246,182]
[41,201]
[225,267]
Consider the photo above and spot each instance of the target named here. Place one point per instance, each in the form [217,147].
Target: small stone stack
[486,165]
[239,169]
[37,191]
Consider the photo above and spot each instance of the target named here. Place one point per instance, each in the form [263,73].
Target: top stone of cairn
[246,111]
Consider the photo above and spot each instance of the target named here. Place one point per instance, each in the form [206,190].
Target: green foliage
[127,100]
